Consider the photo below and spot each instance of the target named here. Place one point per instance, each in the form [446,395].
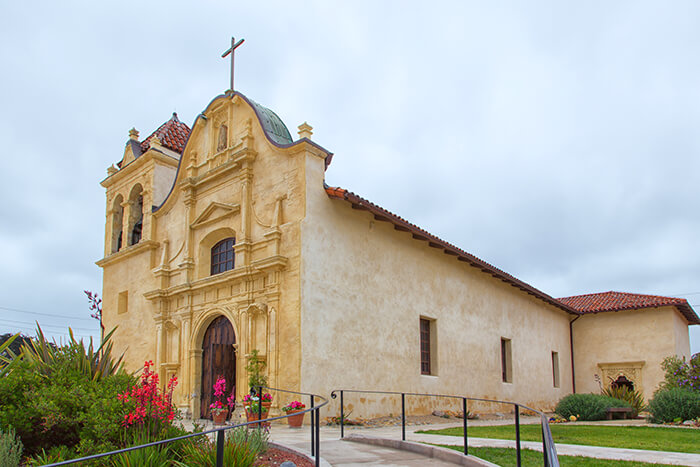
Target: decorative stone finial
[134,134]
[111,170]
[305,131]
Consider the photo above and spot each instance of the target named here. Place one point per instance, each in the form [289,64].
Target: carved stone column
[196,390]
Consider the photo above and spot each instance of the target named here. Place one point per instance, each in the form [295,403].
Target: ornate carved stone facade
[240,177]
[609,372]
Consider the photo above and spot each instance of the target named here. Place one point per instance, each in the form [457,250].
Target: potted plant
[295,421]
[266,400]
[255,411]
[219,410]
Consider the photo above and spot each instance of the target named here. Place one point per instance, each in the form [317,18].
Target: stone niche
[610,372]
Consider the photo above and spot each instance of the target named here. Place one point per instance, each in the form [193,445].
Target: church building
[223,238]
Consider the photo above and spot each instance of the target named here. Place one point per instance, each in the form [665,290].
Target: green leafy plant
[681,374]
[96,364]
[634,398]
[10,448]
[241,448]
[152,456]
[587,406]
[51,400]
[254,407]
[672,404]
[255,368]
[7,356]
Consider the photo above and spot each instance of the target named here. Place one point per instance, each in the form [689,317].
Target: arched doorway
[218,359]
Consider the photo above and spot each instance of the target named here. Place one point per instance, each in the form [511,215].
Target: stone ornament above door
[609,372]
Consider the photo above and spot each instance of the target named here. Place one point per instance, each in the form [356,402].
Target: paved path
[343,453]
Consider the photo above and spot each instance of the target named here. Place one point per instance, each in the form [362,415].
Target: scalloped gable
[274,129]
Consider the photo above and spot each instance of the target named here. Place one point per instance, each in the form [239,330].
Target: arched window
[135,215]
[117,217]
[222,256]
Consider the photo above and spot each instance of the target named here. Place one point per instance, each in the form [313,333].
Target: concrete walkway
[346,453]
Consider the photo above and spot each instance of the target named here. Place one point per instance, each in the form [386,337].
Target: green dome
[272,124]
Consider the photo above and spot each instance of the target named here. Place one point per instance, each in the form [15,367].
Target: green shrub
[53,455]
[634,398]
[10,448]
[587,406]
[681,374]
[671,404]
[241,449]
[54,398]
[153,456]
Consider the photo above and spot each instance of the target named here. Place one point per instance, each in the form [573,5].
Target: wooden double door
[218,359]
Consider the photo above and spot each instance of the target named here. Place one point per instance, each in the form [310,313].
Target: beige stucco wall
[135,333]
[628,339]
[365,286]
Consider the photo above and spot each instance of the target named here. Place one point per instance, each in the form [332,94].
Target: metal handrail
[548,448]
[221,436]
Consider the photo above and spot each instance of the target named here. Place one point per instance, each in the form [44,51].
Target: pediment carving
[215,212]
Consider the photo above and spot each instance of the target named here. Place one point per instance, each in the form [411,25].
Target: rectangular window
[425,347]
[506,360]
[123,302]
[555,369]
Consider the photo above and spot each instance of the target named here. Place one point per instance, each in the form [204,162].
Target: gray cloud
[556,141]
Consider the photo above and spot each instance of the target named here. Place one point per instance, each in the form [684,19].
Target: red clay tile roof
[403,225]
[617,301]
[173,135]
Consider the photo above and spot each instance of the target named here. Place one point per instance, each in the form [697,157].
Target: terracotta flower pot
[295,421]
[252,416]
[219,417]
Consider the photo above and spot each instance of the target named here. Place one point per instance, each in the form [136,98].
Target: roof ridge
[636,294]
[173,134]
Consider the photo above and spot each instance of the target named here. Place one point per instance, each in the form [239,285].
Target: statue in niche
[223,138]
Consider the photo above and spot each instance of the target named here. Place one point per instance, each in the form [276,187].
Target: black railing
[314,410]
[548,449]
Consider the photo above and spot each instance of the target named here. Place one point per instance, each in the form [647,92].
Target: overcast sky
[558,141]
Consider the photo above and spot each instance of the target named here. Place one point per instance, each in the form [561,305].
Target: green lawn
[506,458]
[632,437]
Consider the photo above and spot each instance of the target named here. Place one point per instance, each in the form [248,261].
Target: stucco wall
[135,334]
[647,335]
[365,286]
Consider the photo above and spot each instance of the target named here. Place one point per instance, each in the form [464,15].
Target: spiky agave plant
[96,364]
[634,398]
[7,356]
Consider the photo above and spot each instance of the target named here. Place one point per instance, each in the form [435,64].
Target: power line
[43,314]
[49,333]
[43,325]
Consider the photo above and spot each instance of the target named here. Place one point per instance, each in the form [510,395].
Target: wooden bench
[625,411]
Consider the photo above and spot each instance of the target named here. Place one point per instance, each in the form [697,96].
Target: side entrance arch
[218,359]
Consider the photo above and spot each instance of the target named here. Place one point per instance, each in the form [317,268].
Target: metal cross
[232,51]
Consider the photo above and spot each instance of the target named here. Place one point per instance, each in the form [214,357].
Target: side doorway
[218,360]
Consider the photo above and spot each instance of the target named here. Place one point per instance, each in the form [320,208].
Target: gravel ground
[274,457]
